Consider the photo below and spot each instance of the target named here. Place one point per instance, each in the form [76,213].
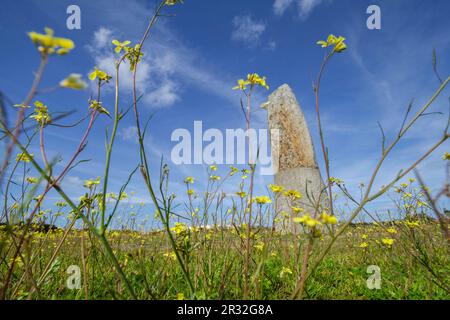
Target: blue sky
[193,60]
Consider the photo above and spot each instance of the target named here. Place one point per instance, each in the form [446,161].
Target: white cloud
[128,133]
[247,30]
[305,7]
[154,82]
[272,45]
[168,65]
[280,6]
[165,95]
[102,37]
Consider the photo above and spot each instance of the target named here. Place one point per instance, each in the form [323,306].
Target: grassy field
[415,266]
[219,242]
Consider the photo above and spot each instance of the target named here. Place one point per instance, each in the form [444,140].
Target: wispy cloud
[247,30]
[305,7]
[155,82]
[168,66]
[280,6]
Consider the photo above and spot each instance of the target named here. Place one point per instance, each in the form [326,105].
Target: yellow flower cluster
[412,224]
[263,200]
[446,156]
[179,228]
[307,220]
[73,81]
[241,194]
[32,180]
[97,106]
[233,170]
[189,180]
[364,245]
[172,2]
[259,246]
[293,194]
[336,180]
[327,219]
[24,157]
[337,42]
[170,255]
[297,210]
[91,183]
[133,54]
[253,80]
[120,45]
[48,44]
[311,222]
[41,113]
[101,75]
[275,188]
[285,271]
[387,242]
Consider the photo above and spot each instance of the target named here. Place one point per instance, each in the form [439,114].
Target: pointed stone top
[282,93]
[284,114]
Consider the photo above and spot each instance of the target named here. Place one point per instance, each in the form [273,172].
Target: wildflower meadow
[221,231]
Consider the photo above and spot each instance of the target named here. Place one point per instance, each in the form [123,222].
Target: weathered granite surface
[294,153]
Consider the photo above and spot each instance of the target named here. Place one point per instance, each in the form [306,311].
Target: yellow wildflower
[297,210]
[412,224]
[294,194]
[253,79]
[120,45]
[263,200]
[73,81]
[32,180]
[172,3]
[407,195]
[24,157]
[179,228]
[170,255]
[336,180]
[259,246]
[391,230]
[364,245]
[328,219]
[275,188]
[233,170]
[180,296]
[284,271]
[241,194]
[337,42]
[387,241]
[242,85]
[91,183]
[307,220]
[97,106]
[101,75]
[189,180]
[48,44]
[41,113]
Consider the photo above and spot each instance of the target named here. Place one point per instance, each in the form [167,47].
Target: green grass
[215,266]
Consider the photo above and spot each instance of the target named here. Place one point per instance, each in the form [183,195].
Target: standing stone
[295,156]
